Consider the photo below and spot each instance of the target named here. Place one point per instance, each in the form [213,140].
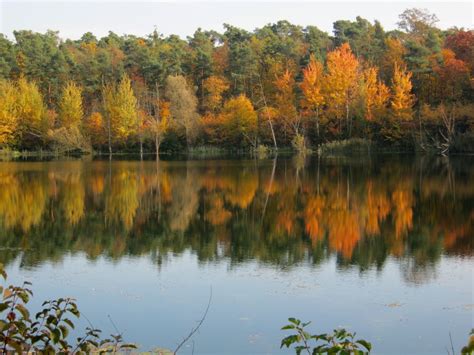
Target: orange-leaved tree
[285,103]
[401,103]
[376,95]
[311,86]
[214,87]
[96,129]
[341,81]
[402,99]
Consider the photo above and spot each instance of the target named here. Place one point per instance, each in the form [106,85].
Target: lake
[380,245]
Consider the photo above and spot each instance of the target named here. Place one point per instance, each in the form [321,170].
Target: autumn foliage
[302,84]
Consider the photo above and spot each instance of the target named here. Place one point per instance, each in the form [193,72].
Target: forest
[281,86]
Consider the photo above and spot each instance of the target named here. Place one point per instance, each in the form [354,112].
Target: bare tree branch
[195,329]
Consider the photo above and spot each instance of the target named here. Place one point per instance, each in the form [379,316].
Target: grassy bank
[346,147]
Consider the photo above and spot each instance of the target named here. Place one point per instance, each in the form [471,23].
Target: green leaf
[64,344]
[69,322]
[365,344]
[289,326]
[321,337]
[289,340]
[51,320]
[64,330]
[294,321]
[36,338]
[24,312]
[24,297]
[56,335]
[75,312]
[3,306]
[299,349]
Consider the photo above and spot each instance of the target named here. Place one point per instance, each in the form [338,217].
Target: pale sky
[73,18]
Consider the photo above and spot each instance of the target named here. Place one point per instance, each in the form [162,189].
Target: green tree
[7,57]
[42,61]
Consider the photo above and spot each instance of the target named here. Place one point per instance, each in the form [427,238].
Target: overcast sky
[73,18]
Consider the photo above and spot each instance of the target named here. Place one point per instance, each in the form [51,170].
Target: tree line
[281,85]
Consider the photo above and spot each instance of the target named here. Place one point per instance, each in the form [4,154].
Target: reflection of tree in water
[414,273]
[184,199]
[279,213]
[121,202]
[72,199]
[23,200]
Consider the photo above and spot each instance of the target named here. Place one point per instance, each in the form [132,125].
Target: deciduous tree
[183,106]
[70,106]
[96,129]
[312,84]
[31,113]
[120,108]
[8,112]
[341,80]
[376,95]
[214,87]
[240,121]
[402,99]
[285,104]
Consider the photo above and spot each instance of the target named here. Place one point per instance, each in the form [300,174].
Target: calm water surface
[381,246]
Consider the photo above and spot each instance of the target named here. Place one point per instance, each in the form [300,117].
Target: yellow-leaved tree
[120,109]
[70,106]
[31,113]
[68,134]
[160,122]
[8,112]
[240,121]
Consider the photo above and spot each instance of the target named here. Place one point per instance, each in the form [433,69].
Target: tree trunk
[273,134]
[349,124]
[109,136]
[157,147]
[266,108]
[317,123]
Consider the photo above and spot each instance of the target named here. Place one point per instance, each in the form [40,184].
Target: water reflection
[279,212]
